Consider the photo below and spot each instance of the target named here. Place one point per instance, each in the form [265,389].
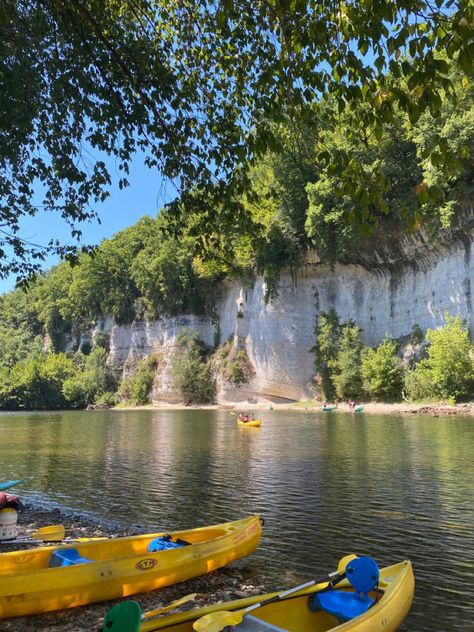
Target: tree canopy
[203,88]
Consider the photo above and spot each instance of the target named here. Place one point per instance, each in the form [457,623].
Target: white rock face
[278,336]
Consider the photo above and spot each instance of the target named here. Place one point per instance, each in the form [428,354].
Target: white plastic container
[8,518]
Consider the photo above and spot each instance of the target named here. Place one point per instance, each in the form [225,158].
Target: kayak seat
[363,574]
[66,557]
[164,543]
[252,624]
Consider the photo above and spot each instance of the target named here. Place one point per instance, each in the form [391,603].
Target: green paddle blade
[123,617]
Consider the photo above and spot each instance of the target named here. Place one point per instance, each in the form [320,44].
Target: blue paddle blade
[8,484]
[123,617]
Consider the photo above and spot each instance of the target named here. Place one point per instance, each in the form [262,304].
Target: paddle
[8,484]
[51,533]
[174,604]
[216,621]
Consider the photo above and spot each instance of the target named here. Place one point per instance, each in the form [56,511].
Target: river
[326,484]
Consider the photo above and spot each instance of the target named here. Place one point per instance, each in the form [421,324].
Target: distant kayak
[252,423]
[329,408]
[359,408]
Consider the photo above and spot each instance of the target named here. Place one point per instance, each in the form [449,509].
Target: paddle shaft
[334,578]
[215,621]
[174,604]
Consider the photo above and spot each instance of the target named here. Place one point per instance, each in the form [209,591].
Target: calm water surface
[392,487]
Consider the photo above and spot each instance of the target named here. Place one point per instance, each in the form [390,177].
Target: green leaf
[465,61]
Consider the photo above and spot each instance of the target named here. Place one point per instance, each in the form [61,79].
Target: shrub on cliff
[338,350]
[447,373]
[191,375]
[89,382]
[232,363]
[136,387]
[346,375]
[327,332]
[382,372]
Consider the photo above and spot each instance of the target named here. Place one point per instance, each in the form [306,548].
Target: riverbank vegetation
[443,369]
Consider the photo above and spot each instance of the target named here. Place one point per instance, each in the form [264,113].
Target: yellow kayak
[298,613]
[252,423]
[56,577]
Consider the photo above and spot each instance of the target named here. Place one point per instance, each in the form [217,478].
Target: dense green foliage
[448,372]
[135,388]
[20,328]
[327,333]
[382,372]
[90,382]
[191,374]
[338,350]
[48,381]
[201,87]
[346,376]
[296,199]
[345,369]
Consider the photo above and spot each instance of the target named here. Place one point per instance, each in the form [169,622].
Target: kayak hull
[253,423]
[292,612]
[118,567]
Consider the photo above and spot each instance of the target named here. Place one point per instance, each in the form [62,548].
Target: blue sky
[145,196]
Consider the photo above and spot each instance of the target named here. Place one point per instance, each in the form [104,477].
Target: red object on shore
[8,501]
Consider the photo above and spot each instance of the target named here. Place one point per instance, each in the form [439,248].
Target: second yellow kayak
[298,613]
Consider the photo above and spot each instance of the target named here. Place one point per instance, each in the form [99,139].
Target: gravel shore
[232,582]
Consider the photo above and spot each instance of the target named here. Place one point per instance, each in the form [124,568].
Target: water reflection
[327,485]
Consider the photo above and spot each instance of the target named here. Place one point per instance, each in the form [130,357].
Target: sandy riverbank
[231,582]
[376,408]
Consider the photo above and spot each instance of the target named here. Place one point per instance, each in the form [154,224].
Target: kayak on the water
[248,420]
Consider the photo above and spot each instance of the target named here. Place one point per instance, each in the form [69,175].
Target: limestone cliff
[386,291]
